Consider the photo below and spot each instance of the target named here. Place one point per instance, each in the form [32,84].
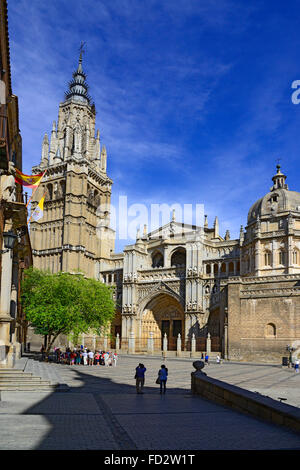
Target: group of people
[140,378]
[205,358]
[83,356]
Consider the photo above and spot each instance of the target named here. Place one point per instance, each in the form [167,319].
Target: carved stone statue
[8,186]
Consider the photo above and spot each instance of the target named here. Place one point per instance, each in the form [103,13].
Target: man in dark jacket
[140,377]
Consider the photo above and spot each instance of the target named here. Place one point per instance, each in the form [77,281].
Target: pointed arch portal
[162,314]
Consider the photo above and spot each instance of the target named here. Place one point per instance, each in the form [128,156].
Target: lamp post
[9,239]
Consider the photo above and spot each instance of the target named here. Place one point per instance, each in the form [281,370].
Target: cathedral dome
[278,200]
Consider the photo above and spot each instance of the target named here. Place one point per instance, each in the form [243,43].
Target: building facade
[181,287]
[14,237]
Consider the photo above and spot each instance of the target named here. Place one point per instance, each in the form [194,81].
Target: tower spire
[78,88]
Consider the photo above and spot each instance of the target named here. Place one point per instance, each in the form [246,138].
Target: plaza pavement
[101,410]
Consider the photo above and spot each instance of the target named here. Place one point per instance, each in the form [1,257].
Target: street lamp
[9,239]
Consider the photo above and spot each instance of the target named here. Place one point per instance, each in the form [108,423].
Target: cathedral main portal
[163,314]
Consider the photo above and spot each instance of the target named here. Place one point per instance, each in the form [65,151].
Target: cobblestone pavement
[101,410]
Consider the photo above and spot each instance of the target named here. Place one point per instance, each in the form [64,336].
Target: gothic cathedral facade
[181,287]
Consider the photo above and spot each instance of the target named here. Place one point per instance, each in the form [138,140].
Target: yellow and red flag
[30,181]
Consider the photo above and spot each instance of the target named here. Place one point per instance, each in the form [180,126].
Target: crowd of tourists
[83,356]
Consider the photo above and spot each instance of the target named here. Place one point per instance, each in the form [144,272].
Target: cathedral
[181,288]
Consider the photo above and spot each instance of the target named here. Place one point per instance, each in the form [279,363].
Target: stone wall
[263,318]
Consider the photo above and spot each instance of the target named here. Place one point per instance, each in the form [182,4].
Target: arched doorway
[116,328]
[162,314]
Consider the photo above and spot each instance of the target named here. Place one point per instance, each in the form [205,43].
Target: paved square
[101,410]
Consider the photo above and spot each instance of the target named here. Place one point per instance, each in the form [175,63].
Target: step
[13,371]
[15,376]
[21,379]
[29,388]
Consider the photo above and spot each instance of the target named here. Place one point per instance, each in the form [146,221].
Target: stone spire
[45,151]
[216,227]
[78,88]
[103,159]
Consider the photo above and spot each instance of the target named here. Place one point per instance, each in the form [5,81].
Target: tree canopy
[65,303]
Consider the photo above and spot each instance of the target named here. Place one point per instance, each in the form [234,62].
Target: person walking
[115,358]
[162,376]
[97,358]
[140,378]
[72,358]
[78,357]
[206,359]
[297,365]
[85,357]
[106,358]
[91,358]
[218,360]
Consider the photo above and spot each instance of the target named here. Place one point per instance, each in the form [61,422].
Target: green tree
[65,303]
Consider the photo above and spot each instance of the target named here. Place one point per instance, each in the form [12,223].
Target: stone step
[21,379]
[35,381]
[13,371]
[18,380]
[15,376]
[27,388]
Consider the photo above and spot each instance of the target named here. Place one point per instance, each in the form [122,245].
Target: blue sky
[193,97]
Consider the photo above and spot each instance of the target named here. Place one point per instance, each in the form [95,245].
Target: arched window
[282,257]
[268,258]
[295,257]
[208,270]
[96,198]
[231,268]
[270,330]
[223,268]
[178,258]
[49,194]
[157,260]
[216,269]
[62,188]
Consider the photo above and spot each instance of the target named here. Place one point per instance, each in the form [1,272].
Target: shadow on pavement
[90,409]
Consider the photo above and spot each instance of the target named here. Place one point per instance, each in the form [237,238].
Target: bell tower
[74,234]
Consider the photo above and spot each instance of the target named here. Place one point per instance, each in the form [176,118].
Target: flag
[30,181]
[39,210]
